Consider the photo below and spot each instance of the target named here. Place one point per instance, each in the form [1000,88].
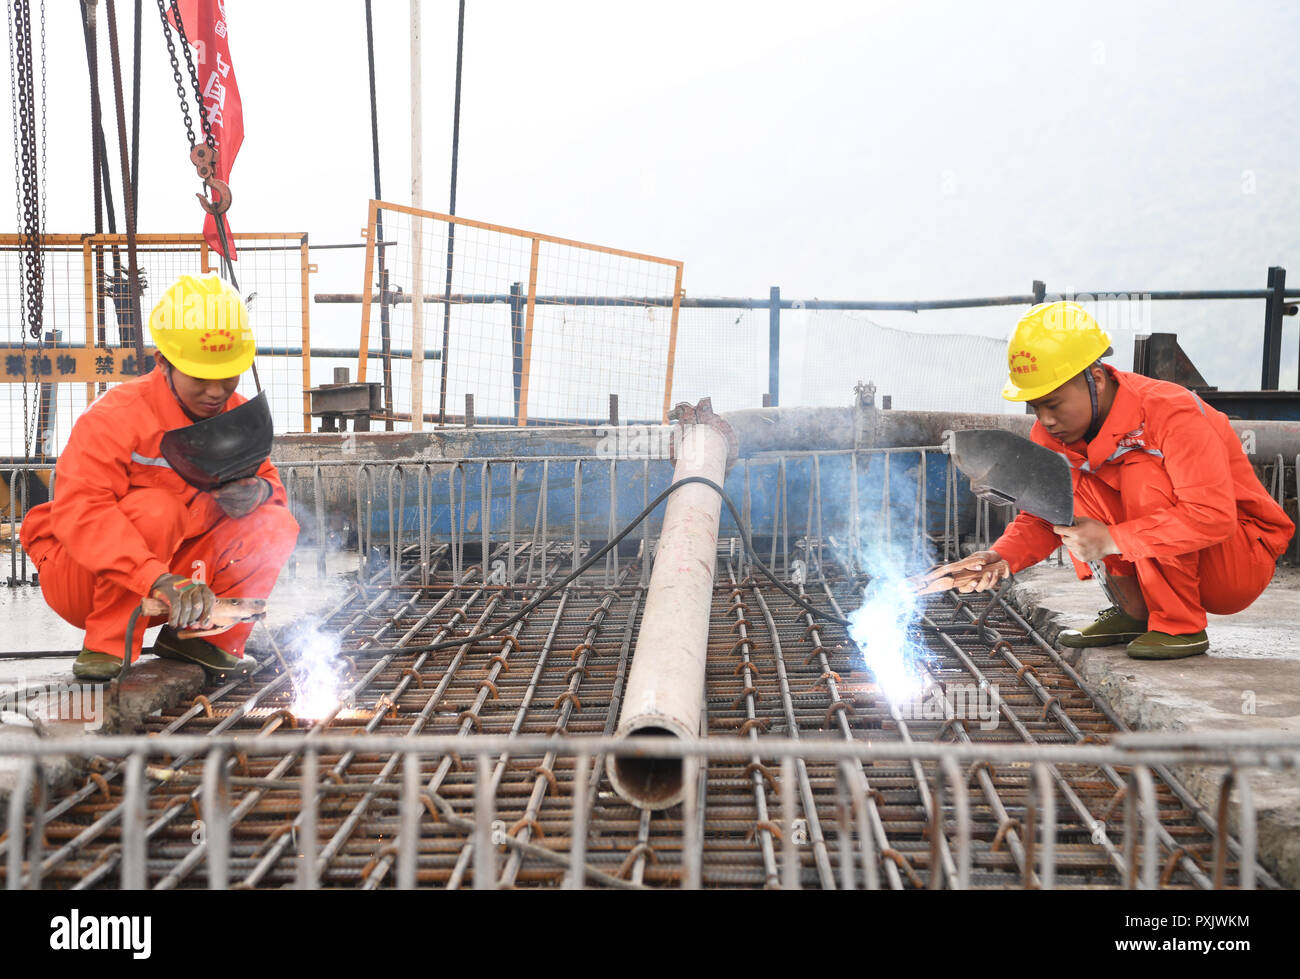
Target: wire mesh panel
[88,328]
[535,329]
[918,371]
[723,355]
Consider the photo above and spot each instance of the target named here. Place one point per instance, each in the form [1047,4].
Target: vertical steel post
[485,854]
[521,413]
[417,229]
[516,340]
[774,346]
[451,226]
[304,261]
[364,344]
[1274,307]
[672,343]
[308,840]
[385,334]
[29,776]
[134,842]
[577,877]
[216,819]
[408,839]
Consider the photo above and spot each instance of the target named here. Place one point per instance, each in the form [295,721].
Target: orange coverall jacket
[1170,478]
[121,517]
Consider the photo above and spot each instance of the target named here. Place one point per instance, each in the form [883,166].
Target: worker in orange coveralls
[123,523]
[1164,493]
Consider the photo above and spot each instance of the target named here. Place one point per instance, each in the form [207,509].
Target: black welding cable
[610,545]
[130,641]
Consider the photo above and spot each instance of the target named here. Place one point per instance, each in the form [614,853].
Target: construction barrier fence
[87,326]
[532,328]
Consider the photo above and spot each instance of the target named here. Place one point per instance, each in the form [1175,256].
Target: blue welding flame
[882,629]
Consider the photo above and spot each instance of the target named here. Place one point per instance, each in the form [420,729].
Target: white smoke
[319,673]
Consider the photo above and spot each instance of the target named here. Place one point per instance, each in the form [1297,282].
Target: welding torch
[226,613]
[952,575]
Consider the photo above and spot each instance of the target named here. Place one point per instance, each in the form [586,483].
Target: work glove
[978,572]
[243,496]
[1088,540]
[189,602]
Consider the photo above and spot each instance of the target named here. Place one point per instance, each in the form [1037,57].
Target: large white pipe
[665,686]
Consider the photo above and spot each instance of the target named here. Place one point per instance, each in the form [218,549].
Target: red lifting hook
[204,159]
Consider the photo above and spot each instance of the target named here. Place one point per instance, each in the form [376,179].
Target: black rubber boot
[168,645]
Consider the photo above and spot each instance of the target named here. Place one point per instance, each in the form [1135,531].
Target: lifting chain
[29,185]
[163,8]
[203,156]
[25,151]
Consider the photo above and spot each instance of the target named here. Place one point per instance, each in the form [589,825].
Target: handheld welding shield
[1005,468]
[219,450]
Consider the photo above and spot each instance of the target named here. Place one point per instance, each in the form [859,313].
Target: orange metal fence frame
[90,353]
[536,239]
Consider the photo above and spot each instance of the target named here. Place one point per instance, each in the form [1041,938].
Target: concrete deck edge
[1277,823]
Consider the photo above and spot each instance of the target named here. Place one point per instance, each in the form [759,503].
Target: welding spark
[318,672]
[880,628]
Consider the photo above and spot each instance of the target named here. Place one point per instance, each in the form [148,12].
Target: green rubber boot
[1112,628]
[96,667]
[1161,645]
[168,645]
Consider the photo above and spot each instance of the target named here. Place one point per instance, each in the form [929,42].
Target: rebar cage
[483,764]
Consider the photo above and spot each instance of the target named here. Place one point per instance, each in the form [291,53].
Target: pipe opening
[651,783]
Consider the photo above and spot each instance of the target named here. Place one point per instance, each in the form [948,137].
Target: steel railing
[140,762]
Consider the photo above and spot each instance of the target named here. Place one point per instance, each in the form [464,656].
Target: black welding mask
[221,449]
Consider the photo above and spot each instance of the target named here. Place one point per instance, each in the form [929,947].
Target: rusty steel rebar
[355,800]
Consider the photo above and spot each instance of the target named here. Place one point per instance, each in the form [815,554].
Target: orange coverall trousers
[1223,578]
[239,558]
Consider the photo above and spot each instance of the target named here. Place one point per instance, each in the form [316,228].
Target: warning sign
[69,364]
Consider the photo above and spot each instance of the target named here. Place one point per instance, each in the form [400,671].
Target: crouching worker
[124,522]
[1164,494]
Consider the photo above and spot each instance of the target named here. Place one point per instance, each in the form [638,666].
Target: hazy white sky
[839,150]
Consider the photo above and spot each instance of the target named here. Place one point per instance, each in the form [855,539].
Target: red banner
[205,29]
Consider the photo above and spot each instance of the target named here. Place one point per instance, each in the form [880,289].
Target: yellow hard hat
[201,326]
[1051,344]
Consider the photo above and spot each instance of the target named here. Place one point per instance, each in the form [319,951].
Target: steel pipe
[830,429]
[665,686]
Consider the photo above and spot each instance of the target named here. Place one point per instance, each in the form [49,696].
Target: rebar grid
[484,765]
